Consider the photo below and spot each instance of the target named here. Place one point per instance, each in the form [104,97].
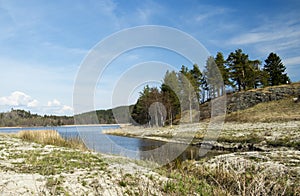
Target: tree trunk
[190,104]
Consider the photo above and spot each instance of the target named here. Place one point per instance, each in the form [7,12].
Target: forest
[17,117]
[185,90]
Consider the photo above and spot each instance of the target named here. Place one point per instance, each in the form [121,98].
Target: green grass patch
[56,162]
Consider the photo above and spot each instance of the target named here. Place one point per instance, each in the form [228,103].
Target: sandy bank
[260,135]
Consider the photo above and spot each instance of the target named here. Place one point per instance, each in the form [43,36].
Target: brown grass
[51,137]
[240,178]
[274,111]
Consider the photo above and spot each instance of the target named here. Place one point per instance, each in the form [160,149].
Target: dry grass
[51,137]
[226,178]
[274,111]
[267,89]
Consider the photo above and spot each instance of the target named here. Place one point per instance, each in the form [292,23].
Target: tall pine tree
[221,64]
[243,72]
[275,70]
[170,92]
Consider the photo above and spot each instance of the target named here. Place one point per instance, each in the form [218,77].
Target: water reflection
[135,148]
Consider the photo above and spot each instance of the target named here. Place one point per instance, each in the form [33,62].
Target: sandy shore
[34,169]
[263,136]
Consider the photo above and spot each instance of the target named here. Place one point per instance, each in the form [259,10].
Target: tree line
[183,91]
[17,117]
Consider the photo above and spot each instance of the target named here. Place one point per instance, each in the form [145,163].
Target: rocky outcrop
[247,99]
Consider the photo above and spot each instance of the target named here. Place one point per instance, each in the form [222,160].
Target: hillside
[273,111]
[116,115]
[263,104]
[17,118]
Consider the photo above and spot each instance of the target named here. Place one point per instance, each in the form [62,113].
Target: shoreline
[233,136]
[81,125]
[25,167]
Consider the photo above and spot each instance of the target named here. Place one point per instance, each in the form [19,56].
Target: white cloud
[54,102]
[65,110]
[18,98]
[21,100]
[33,104]
[55,107]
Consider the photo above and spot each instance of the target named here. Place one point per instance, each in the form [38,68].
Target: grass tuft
[51,137]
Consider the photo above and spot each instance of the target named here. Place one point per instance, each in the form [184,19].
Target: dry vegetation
[226,176]
[274,111]
[34,169]
[63,171]
[51,137]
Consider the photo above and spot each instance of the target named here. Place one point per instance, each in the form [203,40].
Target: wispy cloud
[282,32]
[206,12]
[65,50]
[292,61]
[259,36]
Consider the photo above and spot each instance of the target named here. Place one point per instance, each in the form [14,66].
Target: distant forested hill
[111,116]
[23,118]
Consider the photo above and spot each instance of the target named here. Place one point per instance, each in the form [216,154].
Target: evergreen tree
[221,64]
[213,78]
[237,63]
[170,92]
[196,80]
[189,98]
[243,72]
[275,70]
[140,112]
[254,75]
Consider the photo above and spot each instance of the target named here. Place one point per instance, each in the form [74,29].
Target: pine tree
[275,70]
[213,78]
[196,80]
[237,63]
[221,64]
[243,72]
[140,111]
[189,99]
[170,92]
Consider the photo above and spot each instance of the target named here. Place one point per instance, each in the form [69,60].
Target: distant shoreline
[81,125]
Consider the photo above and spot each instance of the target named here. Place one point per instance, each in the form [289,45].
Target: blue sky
[43,43]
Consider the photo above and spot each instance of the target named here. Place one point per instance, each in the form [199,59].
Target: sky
[44,43]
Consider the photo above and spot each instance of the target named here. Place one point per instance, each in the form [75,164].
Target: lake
[135,148]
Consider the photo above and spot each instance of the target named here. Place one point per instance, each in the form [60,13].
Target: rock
[244,100]
[295,99]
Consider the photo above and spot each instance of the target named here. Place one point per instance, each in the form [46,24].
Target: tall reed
[51,137]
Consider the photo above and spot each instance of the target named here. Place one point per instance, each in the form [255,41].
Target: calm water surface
[125,146]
